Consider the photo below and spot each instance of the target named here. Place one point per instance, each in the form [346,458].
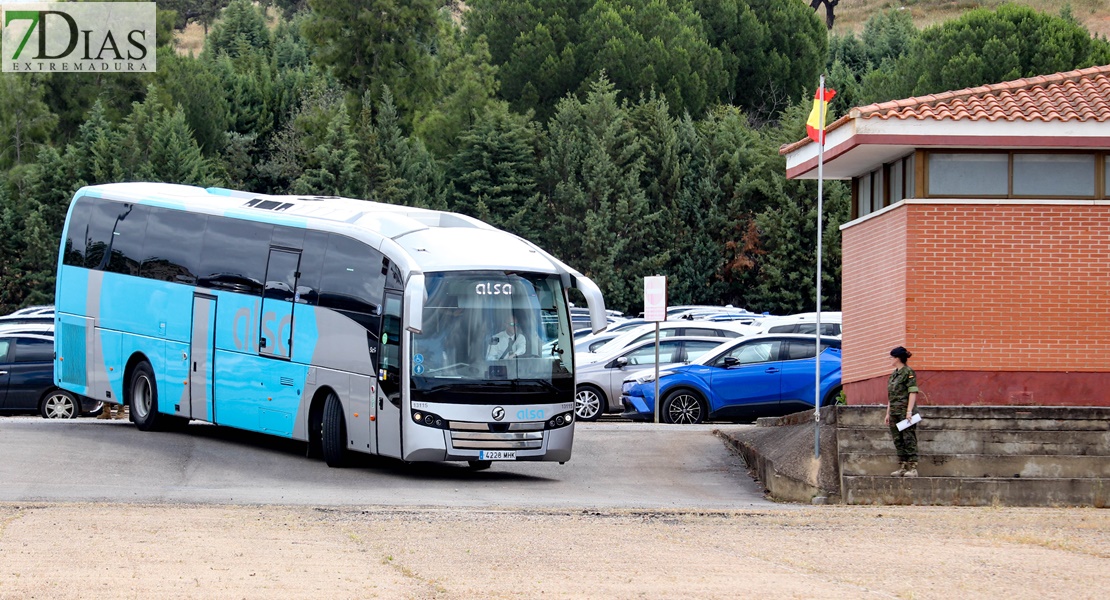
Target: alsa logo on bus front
[530,414]
[494,289]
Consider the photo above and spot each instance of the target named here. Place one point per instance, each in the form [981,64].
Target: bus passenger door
[276,327]
[201,350]
[388,421]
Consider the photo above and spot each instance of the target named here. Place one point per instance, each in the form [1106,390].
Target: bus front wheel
[333,433]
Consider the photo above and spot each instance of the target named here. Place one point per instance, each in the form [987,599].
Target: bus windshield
[487,333]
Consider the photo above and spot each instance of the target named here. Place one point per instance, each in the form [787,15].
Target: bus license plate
[497,455]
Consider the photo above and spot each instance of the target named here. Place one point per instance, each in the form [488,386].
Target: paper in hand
[907,423]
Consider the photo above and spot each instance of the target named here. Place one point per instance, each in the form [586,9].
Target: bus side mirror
[414,303]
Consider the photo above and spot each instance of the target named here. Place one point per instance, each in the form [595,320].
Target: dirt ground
[167,551]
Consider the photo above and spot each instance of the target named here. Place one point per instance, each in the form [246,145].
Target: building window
[1106,176]
[897,180]
[1071,175]
[871,196]
[967,174]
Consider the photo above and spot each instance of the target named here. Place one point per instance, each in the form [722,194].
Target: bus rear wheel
[142,395]
[333,433]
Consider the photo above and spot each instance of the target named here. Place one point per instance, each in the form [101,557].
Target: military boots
[911,469]
[901,472]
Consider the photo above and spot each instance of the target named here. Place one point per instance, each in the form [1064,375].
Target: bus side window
[234,255]
[102,219]
[173,242]
[312,263]
[351,282]
[128,236]
[78,229]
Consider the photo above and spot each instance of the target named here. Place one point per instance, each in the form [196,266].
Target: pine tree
[494,172]
[94,154]
[193,85]
[25,120]
[175,156]
[465,83]
[376,43]
[241,28]
[402,171]
[335,163]
[594,203]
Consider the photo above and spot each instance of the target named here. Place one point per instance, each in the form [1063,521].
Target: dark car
[27,379]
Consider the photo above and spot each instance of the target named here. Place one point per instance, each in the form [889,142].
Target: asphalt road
[615,465]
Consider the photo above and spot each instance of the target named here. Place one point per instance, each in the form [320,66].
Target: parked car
[717,313]
[27,379]
[759,376]
[593,342]
[29,315]
[726,329]
[9,328]
[599,383]
[802,323]
[30,311]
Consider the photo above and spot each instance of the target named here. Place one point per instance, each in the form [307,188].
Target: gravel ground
[173,551]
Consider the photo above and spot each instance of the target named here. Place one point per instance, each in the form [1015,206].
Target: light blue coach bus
[351,325]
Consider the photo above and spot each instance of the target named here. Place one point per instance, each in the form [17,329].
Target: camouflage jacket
[902,383]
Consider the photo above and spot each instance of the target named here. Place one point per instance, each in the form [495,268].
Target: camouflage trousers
[905,442]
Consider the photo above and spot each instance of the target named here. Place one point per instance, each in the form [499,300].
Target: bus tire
[333,433]
[142,396]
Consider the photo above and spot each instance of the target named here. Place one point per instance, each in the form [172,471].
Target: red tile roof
[1081,95]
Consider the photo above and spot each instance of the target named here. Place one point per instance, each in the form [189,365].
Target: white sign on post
[655,298]
[655,309]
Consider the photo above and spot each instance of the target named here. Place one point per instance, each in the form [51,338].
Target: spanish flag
[815,129]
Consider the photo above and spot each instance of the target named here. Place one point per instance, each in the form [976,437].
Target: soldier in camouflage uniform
[902,396]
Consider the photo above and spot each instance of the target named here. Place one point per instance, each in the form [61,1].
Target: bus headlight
[561,420]
[429,420]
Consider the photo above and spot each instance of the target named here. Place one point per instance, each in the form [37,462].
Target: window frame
[1100,161]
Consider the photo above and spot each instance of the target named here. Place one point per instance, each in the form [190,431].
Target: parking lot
[93,508]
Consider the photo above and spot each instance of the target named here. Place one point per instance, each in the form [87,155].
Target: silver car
[599,383]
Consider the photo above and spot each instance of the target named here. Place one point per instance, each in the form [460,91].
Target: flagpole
[817,333]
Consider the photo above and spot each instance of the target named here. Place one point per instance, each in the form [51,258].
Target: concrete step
[1079,443]
[979,465]
[978,491]
[1032,418]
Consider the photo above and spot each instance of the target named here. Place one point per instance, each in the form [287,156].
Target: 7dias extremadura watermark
[84,37]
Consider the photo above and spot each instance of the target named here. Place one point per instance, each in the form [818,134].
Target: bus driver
[508,343]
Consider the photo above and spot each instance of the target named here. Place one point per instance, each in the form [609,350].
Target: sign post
[655,309]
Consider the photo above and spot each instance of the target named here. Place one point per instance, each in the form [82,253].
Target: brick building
[979,239]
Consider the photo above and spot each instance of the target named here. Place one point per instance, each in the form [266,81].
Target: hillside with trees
[629,138]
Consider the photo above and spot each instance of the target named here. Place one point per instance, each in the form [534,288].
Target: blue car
[757,376]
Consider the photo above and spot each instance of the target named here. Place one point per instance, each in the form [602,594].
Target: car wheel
[59,404]
[588,403]
[683,407]
[832,397]
[333,433]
